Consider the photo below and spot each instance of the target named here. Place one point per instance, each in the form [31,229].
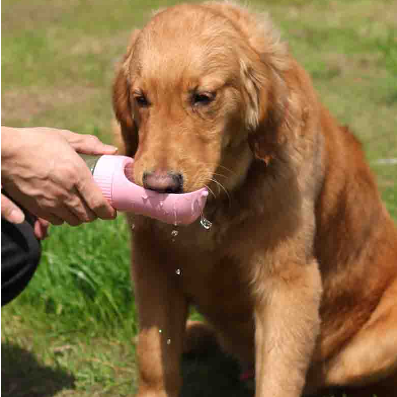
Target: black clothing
[20,256]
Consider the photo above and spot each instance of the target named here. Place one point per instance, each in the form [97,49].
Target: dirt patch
[102,45]
[378,15]
[28,15]
[23,104]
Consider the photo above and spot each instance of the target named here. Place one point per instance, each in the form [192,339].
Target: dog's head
[196,86]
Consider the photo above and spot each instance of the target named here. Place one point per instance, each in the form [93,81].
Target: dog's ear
[122,103]
[266,110]
[266,90]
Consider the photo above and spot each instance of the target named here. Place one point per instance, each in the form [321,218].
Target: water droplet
[205,223]
[133,226]
[174,233]
[161,204]
[178,272]
[160,331]
[168,341]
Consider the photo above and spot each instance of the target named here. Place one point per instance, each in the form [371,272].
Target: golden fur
[298,274]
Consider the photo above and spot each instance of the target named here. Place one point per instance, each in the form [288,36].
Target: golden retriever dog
[297,277]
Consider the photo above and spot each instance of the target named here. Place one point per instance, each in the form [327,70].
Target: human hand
[43,172]
[12,213]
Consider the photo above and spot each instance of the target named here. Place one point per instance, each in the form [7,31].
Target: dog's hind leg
[371,356]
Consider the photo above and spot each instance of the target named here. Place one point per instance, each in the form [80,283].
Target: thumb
[10,211]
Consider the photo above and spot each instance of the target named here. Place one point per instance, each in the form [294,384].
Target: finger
[10,211]
[43,222]
[38,232]
[67,215]
[98,204]
[41,228]
[93,197]
[81,208]
[88,144]
[57,216]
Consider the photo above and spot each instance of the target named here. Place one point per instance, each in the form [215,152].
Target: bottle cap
[106,169]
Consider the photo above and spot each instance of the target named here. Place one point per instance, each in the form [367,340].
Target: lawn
[71,333]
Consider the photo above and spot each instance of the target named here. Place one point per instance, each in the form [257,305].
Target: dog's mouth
[161,197]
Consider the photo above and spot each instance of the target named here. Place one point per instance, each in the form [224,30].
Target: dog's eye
[141,100]
[203,98]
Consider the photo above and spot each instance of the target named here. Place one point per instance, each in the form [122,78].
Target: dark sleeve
[20,255]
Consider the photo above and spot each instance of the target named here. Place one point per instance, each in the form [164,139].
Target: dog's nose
[163,182]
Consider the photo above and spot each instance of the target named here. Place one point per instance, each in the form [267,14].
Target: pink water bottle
[109,173]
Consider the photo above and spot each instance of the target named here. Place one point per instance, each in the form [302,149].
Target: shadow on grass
[212,375]
[23,376]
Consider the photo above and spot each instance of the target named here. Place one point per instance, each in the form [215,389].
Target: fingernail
[16,216]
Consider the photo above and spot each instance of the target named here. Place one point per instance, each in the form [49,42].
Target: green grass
[71,333]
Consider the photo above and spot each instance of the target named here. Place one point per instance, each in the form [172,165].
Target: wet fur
[298,274]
